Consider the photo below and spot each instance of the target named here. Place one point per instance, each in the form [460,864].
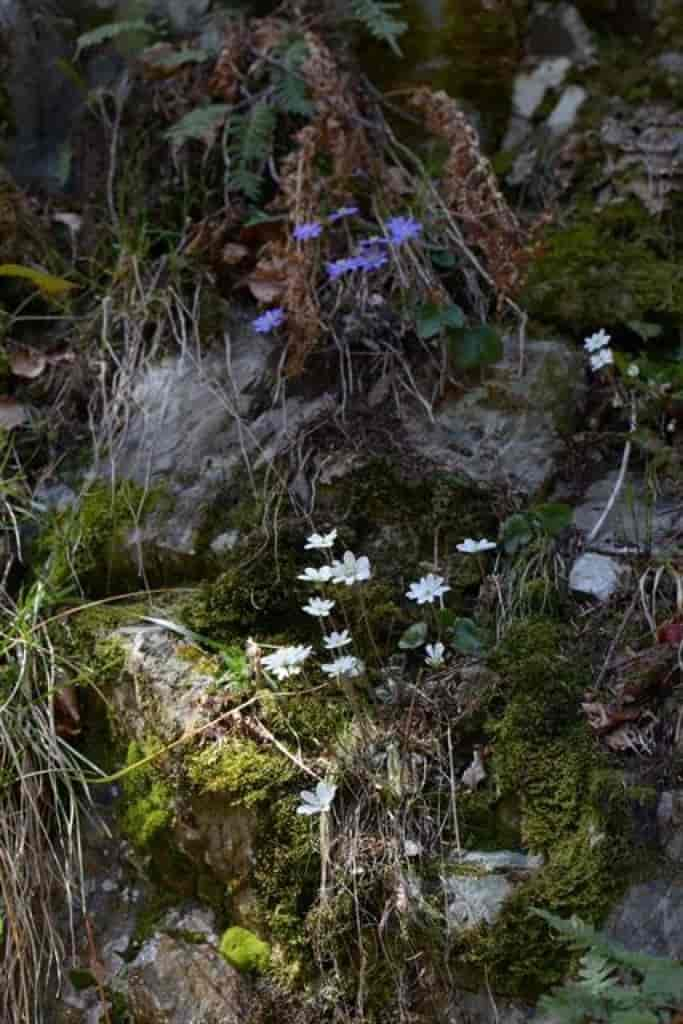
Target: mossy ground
[571,806]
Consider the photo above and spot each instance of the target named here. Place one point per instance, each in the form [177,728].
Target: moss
[606,267]
[148,800]
[241,769]
[259,588]
[85,547]
[572,807]
[82,979]
[244,950]
[312,721]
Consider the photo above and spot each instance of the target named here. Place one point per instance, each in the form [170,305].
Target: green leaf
[430,319]
[413,637]
[476,346]
[48,284]
[109,31]
[644,330]
[170,61]
[518,531]
[379,19]
[202,124]
[468,638]
[553,518]
[443,258]
[634,1017]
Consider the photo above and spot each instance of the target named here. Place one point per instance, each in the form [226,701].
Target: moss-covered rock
[572,807]
[606,267]
[244,950]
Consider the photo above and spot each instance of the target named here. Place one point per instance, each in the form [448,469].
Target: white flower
[351,569]
[347,665]
[312,575]
[597,340]
[435,653]
[286,661]
[671,426]
[633,370]
[321,540]
[427,589]
[317,801]
[334,639]
[602,358]
[474,547]
[318,606]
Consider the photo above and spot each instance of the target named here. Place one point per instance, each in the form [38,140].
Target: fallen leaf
[670,633]
[268,280]
[27,363]
[12,413]
[232,253]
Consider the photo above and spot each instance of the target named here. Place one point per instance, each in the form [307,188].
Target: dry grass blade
[42,793]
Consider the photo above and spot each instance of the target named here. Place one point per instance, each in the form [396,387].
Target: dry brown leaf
[12,413]
[268,280]
[232,253]
[25,362]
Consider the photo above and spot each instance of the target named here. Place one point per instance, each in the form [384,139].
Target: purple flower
[265,323]
[341,267]
[372,243]
[373,259]
[402,229]
[343,211]
[302,232]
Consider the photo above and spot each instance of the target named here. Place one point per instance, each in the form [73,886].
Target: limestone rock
[639,519]
[598,576]
[172,981]
[473,901]
[649,918]
[509,431]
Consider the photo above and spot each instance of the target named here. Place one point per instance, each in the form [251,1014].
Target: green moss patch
[606,267]
[244,950]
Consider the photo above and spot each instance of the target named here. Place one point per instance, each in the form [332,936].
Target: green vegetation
[244,950]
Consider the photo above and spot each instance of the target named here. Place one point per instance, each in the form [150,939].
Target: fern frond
[379,18]
[109,31]
[250,145]
[596,974]
[290,87]
[202,124]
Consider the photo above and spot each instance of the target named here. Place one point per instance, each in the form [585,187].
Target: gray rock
[670,823]
[563,116]
[475,900]
[161,690]
[195,424]
[671,62]
[503,860]
[598,576]
[483,1008]
[508,432]
[643,153]
[530,88]
[177,982]
[639,519]
[649,918]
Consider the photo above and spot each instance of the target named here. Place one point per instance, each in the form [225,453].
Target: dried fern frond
[470,189]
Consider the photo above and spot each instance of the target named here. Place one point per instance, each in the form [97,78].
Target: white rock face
[530,89]
[598,576]
[564,114]
[473,901]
